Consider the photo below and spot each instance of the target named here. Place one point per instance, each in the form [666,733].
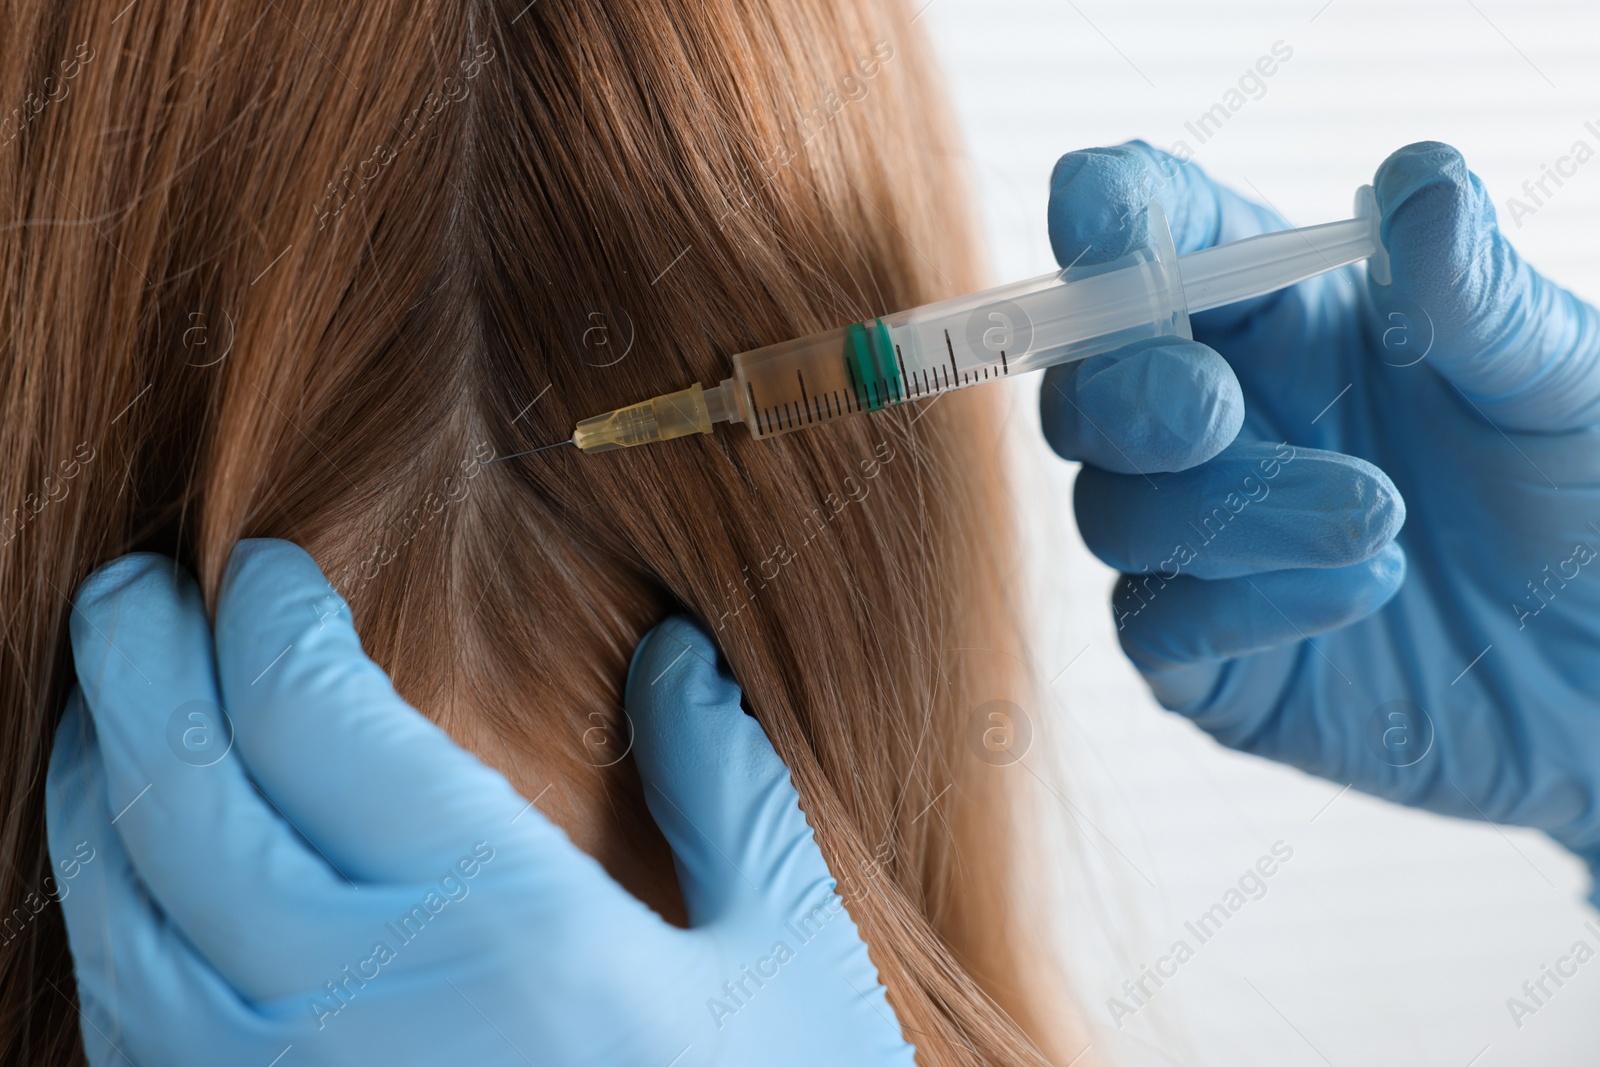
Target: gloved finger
[1523,349]
[1099,210]
[385,794]
[744,852]
[1164,624]
[131,965]
[223,866]
[715,786]
[1256,507]
[1162,404]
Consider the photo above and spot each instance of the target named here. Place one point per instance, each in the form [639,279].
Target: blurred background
[1390,936]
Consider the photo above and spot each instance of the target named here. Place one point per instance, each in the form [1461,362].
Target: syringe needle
[531,451]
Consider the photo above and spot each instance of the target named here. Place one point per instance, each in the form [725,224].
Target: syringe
[987,336]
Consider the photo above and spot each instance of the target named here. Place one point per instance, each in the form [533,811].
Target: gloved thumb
[715,786]
[1524,351]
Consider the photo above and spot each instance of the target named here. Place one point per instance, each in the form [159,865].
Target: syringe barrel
[969,340]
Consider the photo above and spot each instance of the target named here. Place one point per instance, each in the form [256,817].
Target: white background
[1391,937]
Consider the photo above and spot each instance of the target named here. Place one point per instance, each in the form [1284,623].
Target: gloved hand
[1271,594]
[333,881]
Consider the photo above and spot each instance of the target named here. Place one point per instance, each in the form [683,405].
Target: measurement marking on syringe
[855,388]
[754,406]
[871,393]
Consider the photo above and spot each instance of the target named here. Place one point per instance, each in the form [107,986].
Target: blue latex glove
[1454,664]
[345,885]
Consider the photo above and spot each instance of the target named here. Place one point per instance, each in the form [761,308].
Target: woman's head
[303,270]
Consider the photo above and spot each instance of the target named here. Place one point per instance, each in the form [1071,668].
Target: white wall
[1391,937]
